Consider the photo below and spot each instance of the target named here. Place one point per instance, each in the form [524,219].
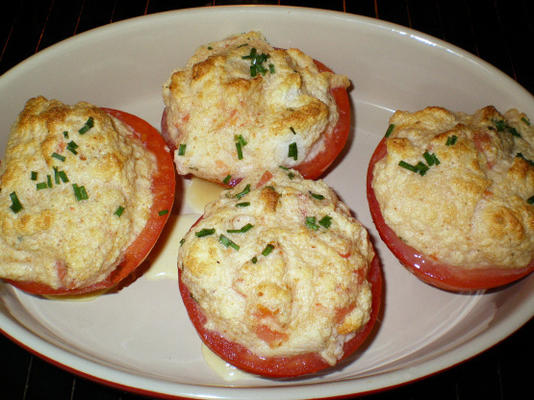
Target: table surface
[497,31]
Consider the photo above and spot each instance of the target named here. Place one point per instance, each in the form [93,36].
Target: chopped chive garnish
[49,181]
[243,229]
[284,168]
[239,150]
[163,212]
[182,242]
[88,125]
[290,175]
[58,156]
[205,232]
[530,200]
[240,142]
[79,192]
[316,196]
[181,149]
[267,250]
[431,158]
[271,68]
[72,146]
[391,127]
[56,175]
[254,260]
[419,168]
[256,62]
[41,185]
[118,212]
[227,242]
[525,120]
[451,140]
[520,155]
[326,221]
[243,192]
[243,204]
[33,176]
[65,134]
[226,180]
[292,130]
[293,151]
[63,176]
[502,125]
[15,206]
[311,223]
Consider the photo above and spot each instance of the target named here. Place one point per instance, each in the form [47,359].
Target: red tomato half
[429,269]
[163,186]
[333,143]
[280,367]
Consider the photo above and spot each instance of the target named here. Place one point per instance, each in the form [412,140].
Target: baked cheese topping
[240,105]
[279,265]
[75,190]
[460,187]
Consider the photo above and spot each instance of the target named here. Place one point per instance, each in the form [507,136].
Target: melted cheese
[283,275]
[216,101]
[472,209]
[57,239]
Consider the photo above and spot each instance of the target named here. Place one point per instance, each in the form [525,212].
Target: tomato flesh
[280,367]
[163,188]
[431,270]
[332,143]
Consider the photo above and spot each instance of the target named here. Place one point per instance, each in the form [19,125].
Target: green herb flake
[243,229]
[326,221]
[530,200]
[63,176]
[226,180]
[254,260]
[239,150]
[525,120]
[79,192]
[245,191]
[419,168]
[58,157]
[256,63]
[182,242]
[65,134]
[33,176]
[243,204]
[451,140]
[311,222]
[49,181]
[118,212]
[391,127]
[72,146]
[267,250]
[181,149]
[292,130]
[293,151]
[163,212]
[228,243]
[56,176]
[41,185]
[431,158]
[88,125]
[503,126]
[316,196]
[205,232]
[16,205]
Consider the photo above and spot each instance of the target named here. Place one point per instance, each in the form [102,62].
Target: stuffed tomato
[452,195]
[240,105]
[85,194]
[277,277]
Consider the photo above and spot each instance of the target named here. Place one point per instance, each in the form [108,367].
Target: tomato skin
[280,367]
[333,143]
[163,187]
[428,269]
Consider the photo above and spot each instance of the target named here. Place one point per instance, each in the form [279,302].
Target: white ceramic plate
[141,338]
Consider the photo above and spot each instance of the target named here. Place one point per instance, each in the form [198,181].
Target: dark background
[500,32]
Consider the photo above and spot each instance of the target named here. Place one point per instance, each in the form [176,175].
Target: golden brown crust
[472,209]
[57,239]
